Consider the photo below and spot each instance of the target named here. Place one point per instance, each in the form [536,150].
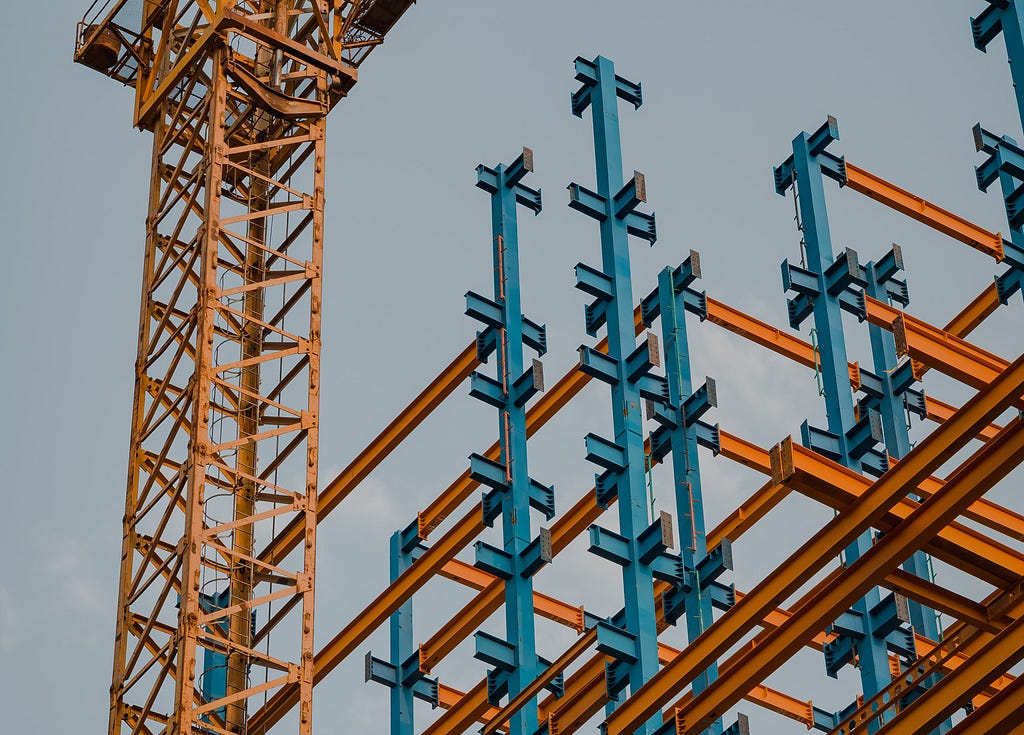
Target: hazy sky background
[459,82]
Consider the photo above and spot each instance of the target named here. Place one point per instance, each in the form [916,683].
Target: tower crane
[215,604]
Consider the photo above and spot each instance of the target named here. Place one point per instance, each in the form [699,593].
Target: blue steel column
[892,407]
[402,673]
[613,205]
[506,333]
[832,279]
[1006,17]
[402,644]
[685,462]
[1005,159]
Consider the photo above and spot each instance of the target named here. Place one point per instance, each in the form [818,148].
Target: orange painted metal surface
[930,454]
[859,180]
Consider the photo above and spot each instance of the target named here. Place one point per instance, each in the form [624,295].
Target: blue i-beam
[402,674]
[890,393]
[1005,17]
[625,367]
[894,399]
[512,492]
[687,406]
[1005,157]
[819,288]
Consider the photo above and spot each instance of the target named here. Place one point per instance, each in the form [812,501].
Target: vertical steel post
[685,462]
[507,331]
[613,206]
[1007,17]
[891,407]
[894,426]
[805,170]
[402,644]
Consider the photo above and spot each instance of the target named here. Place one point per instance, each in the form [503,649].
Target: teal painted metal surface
[512,492]
[1004,17]
[678,422]
[889,391]
[626,368]
[822,291]
[402,673]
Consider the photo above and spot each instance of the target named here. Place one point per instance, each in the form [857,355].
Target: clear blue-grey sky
[458,82]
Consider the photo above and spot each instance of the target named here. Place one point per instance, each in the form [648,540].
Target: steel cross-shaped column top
[638,545]
[820,288]
[512,492]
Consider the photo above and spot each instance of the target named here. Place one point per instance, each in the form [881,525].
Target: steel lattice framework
[223,458]
[215,609]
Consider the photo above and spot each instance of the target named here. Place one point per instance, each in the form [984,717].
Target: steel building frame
[216,602]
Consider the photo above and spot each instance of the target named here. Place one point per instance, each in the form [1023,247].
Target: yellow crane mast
[215,607]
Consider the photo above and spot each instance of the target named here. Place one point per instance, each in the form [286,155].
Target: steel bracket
[491,180]
[682,277]
[535,336]
[615,642]
[989,24]
[834,167]
[700,401]
[495,651]
[723,596]
[486,343]
[587,75]
[605,453]
[669,568]
[529,384]
[610,545]
[715,563]
[488,473]
[493,560]
[487,389]
[606,488]
[653,388]
[481,308]
[655,539]
[845,272]
[598,365]
[891,612]
[536,554]
[643,358]
[386,673]
[616,677]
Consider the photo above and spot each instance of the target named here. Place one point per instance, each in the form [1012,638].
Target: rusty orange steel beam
[748,513]
[1002,715]
[466,710]
[919,590]
[565,529]
[972,315]
[537,685]
[940,599]
[938,348]
[344,643]
[917,466]
[952,692]
[975,477]
[802,352]
[550,403]
[393,434]
[946,222]
[583,513]
[958,545]
[960,641]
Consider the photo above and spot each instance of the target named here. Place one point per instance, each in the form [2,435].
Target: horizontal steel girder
[930,454]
